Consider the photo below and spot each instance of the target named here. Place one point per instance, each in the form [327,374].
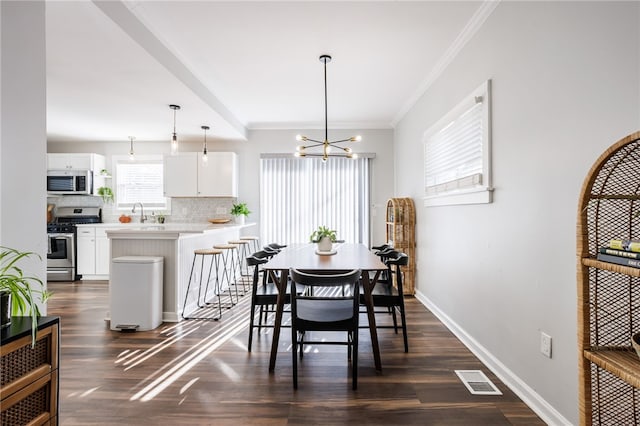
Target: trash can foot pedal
[127,327]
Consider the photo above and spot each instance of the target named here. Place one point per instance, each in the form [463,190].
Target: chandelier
[301,150]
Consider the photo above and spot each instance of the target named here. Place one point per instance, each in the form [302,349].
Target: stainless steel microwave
[69,181]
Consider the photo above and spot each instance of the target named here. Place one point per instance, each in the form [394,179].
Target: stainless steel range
[62,241]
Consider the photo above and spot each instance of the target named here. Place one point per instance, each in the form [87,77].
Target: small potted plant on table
[324,237]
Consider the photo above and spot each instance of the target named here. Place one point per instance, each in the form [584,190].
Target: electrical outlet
[545,344]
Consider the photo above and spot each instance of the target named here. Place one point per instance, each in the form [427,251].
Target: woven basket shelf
[401,234]
[609,294]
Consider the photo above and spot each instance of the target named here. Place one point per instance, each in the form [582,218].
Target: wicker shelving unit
[401,234]
[609,294]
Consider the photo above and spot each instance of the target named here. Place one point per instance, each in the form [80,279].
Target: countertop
[166,229]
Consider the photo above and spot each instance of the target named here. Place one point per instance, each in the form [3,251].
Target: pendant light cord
[326,130]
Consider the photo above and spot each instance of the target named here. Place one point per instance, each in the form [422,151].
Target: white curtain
[299,194]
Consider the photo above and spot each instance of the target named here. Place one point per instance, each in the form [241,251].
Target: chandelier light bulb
[357,138]
[301,138]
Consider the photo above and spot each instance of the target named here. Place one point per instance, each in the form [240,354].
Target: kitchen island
[175,243]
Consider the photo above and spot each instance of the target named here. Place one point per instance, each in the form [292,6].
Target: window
[299,194]
[140,181]
[457,153]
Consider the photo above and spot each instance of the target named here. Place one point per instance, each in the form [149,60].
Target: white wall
[23,133]
[379,142]
[566,85]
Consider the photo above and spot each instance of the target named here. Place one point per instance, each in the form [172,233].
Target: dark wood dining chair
[327,308]
[264,294]
[391,296]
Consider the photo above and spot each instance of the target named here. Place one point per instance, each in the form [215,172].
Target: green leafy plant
[106,193]
[321,232]
[240,209]
[160,217]
[23,290]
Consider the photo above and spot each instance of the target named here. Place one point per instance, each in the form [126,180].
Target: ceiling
[114,67]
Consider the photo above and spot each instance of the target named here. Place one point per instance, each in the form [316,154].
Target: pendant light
[131,154]
[205,158]
[174,136]
[326,145]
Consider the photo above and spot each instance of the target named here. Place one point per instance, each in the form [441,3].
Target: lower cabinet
[102,252]
[93,252]
[86,250]
[29,376]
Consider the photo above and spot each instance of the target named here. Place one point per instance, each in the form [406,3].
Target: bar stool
[244,252]
[229,254]
[215,259]
[255,242]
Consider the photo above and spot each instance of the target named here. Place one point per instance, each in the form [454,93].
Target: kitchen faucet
[142,216]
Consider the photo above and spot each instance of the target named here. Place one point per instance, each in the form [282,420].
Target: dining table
[343,257]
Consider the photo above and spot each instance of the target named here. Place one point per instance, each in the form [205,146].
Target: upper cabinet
[93,162]
[181,175]
[185,175]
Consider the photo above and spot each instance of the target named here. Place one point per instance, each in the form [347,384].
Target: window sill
[482,195]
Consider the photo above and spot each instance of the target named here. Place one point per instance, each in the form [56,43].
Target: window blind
[299,194]
[140,181]
[454,155]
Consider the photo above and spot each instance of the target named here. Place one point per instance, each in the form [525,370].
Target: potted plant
[106,193]
[240,211]
[19,293]
[160,217]
[325,238]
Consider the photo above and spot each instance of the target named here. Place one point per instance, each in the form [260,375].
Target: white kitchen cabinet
[86,250]
[181,175]
[103,255]
[186,176]
[59,161]
[219,178]
[93,252]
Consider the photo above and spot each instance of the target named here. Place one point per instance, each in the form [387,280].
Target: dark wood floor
[200,373]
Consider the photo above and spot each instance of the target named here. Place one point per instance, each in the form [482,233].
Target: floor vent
[477,382]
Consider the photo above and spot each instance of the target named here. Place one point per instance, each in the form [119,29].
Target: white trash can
[135,292]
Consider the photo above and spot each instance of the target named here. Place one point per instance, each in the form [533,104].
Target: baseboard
[538,404]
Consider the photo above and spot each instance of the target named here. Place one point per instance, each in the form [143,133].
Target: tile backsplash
[183,210]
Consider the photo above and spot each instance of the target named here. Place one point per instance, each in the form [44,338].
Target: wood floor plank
[200,373]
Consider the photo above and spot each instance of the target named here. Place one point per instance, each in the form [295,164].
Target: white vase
[325,244]
[240,219]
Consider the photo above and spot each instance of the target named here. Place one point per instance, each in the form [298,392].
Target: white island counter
[175,242]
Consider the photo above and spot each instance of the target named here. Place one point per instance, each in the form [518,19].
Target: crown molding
[468,32]
[318,125]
